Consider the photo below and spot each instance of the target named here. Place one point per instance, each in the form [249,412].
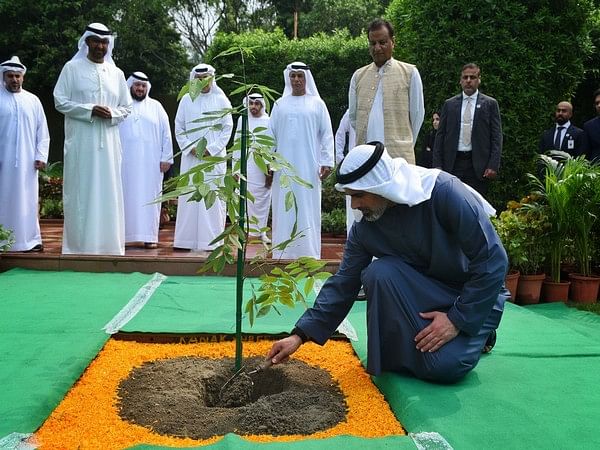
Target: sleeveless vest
[396,125]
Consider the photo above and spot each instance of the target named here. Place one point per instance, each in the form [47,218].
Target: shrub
[523,229]
[334,221]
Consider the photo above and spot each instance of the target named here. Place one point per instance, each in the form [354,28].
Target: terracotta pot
[584,289]
[511,282]
[555,292]
[529,289]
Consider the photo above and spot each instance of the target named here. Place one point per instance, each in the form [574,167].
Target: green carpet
[50,330]
[537,389]
[206,304]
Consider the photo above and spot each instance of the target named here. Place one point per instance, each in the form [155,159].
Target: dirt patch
[181,397]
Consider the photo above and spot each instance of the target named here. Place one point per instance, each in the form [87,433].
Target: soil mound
[183,397]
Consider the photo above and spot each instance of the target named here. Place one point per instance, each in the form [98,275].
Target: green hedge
[332,58]
[531,54]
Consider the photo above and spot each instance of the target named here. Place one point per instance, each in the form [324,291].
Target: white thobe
[352,215]
[146,142]
[196,226]
[259,208]
[24,139]
[92,190]
[302,130]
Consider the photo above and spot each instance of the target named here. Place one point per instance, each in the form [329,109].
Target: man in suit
[592,130]
[563,135]
[469,139]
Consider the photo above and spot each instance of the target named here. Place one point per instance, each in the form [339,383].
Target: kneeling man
[436,290]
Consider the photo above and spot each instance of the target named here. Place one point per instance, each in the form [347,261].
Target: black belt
[464,155]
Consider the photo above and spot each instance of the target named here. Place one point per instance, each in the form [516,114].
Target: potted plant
[523,228]
[552,190]
[584,186]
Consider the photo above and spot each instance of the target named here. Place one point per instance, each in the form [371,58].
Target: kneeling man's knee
[379,269]
[447,370]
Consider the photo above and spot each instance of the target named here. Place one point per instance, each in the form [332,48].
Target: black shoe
[489,344]
[361,294]
[37,248]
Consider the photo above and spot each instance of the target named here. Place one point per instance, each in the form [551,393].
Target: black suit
[486,139]
[574,138]
[592,131]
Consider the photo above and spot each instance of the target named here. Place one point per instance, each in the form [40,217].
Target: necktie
[557,139]
[467,118]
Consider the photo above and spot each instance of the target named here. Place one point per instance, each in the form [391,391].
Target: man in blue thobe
[436,290]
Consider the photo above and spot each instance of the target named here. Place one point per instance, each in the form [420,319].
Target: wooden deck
[164,259]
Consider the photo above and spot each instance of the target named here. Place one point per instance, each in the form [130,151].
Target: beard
[372,215]
[139,98]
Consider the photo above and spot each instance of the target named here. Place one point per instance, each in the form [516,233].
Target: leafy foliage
[530,60]
[570,188]
[44,35]
[6,239]
[334,221]
[50,191]
[523,229]
[281,286]
[330,15]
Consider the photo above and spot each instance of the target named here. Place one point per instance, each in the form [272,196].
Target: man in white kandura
[196,226]
[24,143]
[147,155]
[92,94]
[259,184]
[345,140]
[301,126]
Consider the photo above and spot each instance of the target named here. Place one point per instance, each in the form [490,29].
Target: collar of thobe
[100,31]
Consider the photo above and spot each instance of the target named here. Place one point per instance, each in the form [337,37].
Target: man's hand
[489,173]
[101,111]
[39,165]
[164,166]
[437,333]
[282,349]
[324,172]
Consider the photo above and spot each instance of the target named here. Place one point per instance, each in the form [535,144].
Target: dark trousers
[463,169]
[396,294]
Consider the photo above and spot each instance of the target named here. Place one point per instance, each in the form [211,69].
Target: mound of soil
[184,397]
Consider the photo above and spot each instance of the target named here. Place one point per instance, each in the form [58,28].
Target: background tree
[531,53]
[44,35]
[329,15]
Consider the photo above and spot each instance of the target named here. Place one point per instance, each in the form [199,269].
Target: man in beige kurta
[386,97]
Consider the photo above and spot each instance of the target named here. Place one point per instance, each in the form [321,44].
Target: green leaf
[290,200]
[260,163]
[184,90]
[201,146]
[263,311]
[308,286]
